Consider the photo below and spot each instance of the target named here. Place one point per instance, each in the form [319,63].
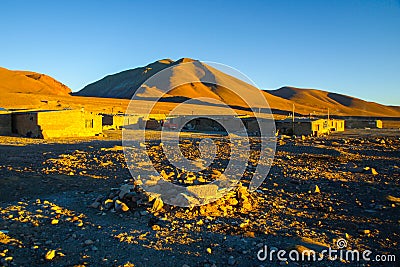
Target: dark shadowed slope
[123,84]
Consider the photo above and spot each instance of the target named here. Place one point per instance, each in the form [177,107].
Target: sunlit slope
[28,82]
[337,103]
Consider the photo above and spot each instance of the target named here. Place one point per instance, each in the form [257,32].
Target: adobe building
[199,123]
[336,125]
[362,124]
[306,126]
[56,123]
[213,123]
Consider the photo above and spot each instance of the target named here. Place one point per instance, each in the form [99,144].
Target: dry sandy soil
[54,209]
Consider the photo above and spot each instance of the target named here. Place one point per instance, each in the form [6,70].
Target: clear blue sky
[350,47]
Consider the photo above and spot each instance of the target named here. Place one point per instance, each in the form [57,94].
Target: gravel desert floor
[74,203]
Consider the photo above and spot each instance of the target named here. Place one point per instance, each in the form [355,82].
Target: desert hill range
[111,94]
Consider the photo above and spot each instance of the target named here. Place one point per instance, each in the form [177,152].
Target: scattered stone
[231,260]
[249,234]
[286,209]
[315,189]
[369,170]
[364,231]
[144,212]
[89,242]
[393,199]
[121,206]
[158,204]
[352,167]
[207,191]
[50,255]
[124,189]
[95,205]
[156,227]
[108,204]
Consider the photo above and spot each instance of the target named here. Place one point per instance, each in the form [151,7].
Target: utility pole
[293,120]
[293,113]
[328,114]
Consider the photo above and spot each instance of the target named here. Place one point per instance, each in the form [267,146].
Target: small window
[88,123]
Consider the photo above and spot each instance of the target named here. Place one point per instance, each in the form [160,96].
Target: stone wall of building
[362,124]
[319,127]
[26,124]
[210,123]
[69,123]
[309,126]
[297,128]
[114,122]
[5,123]
[337,125]
[56,123]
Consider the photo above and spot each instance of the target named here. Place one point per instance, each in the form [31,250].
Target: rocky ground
[74,203]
